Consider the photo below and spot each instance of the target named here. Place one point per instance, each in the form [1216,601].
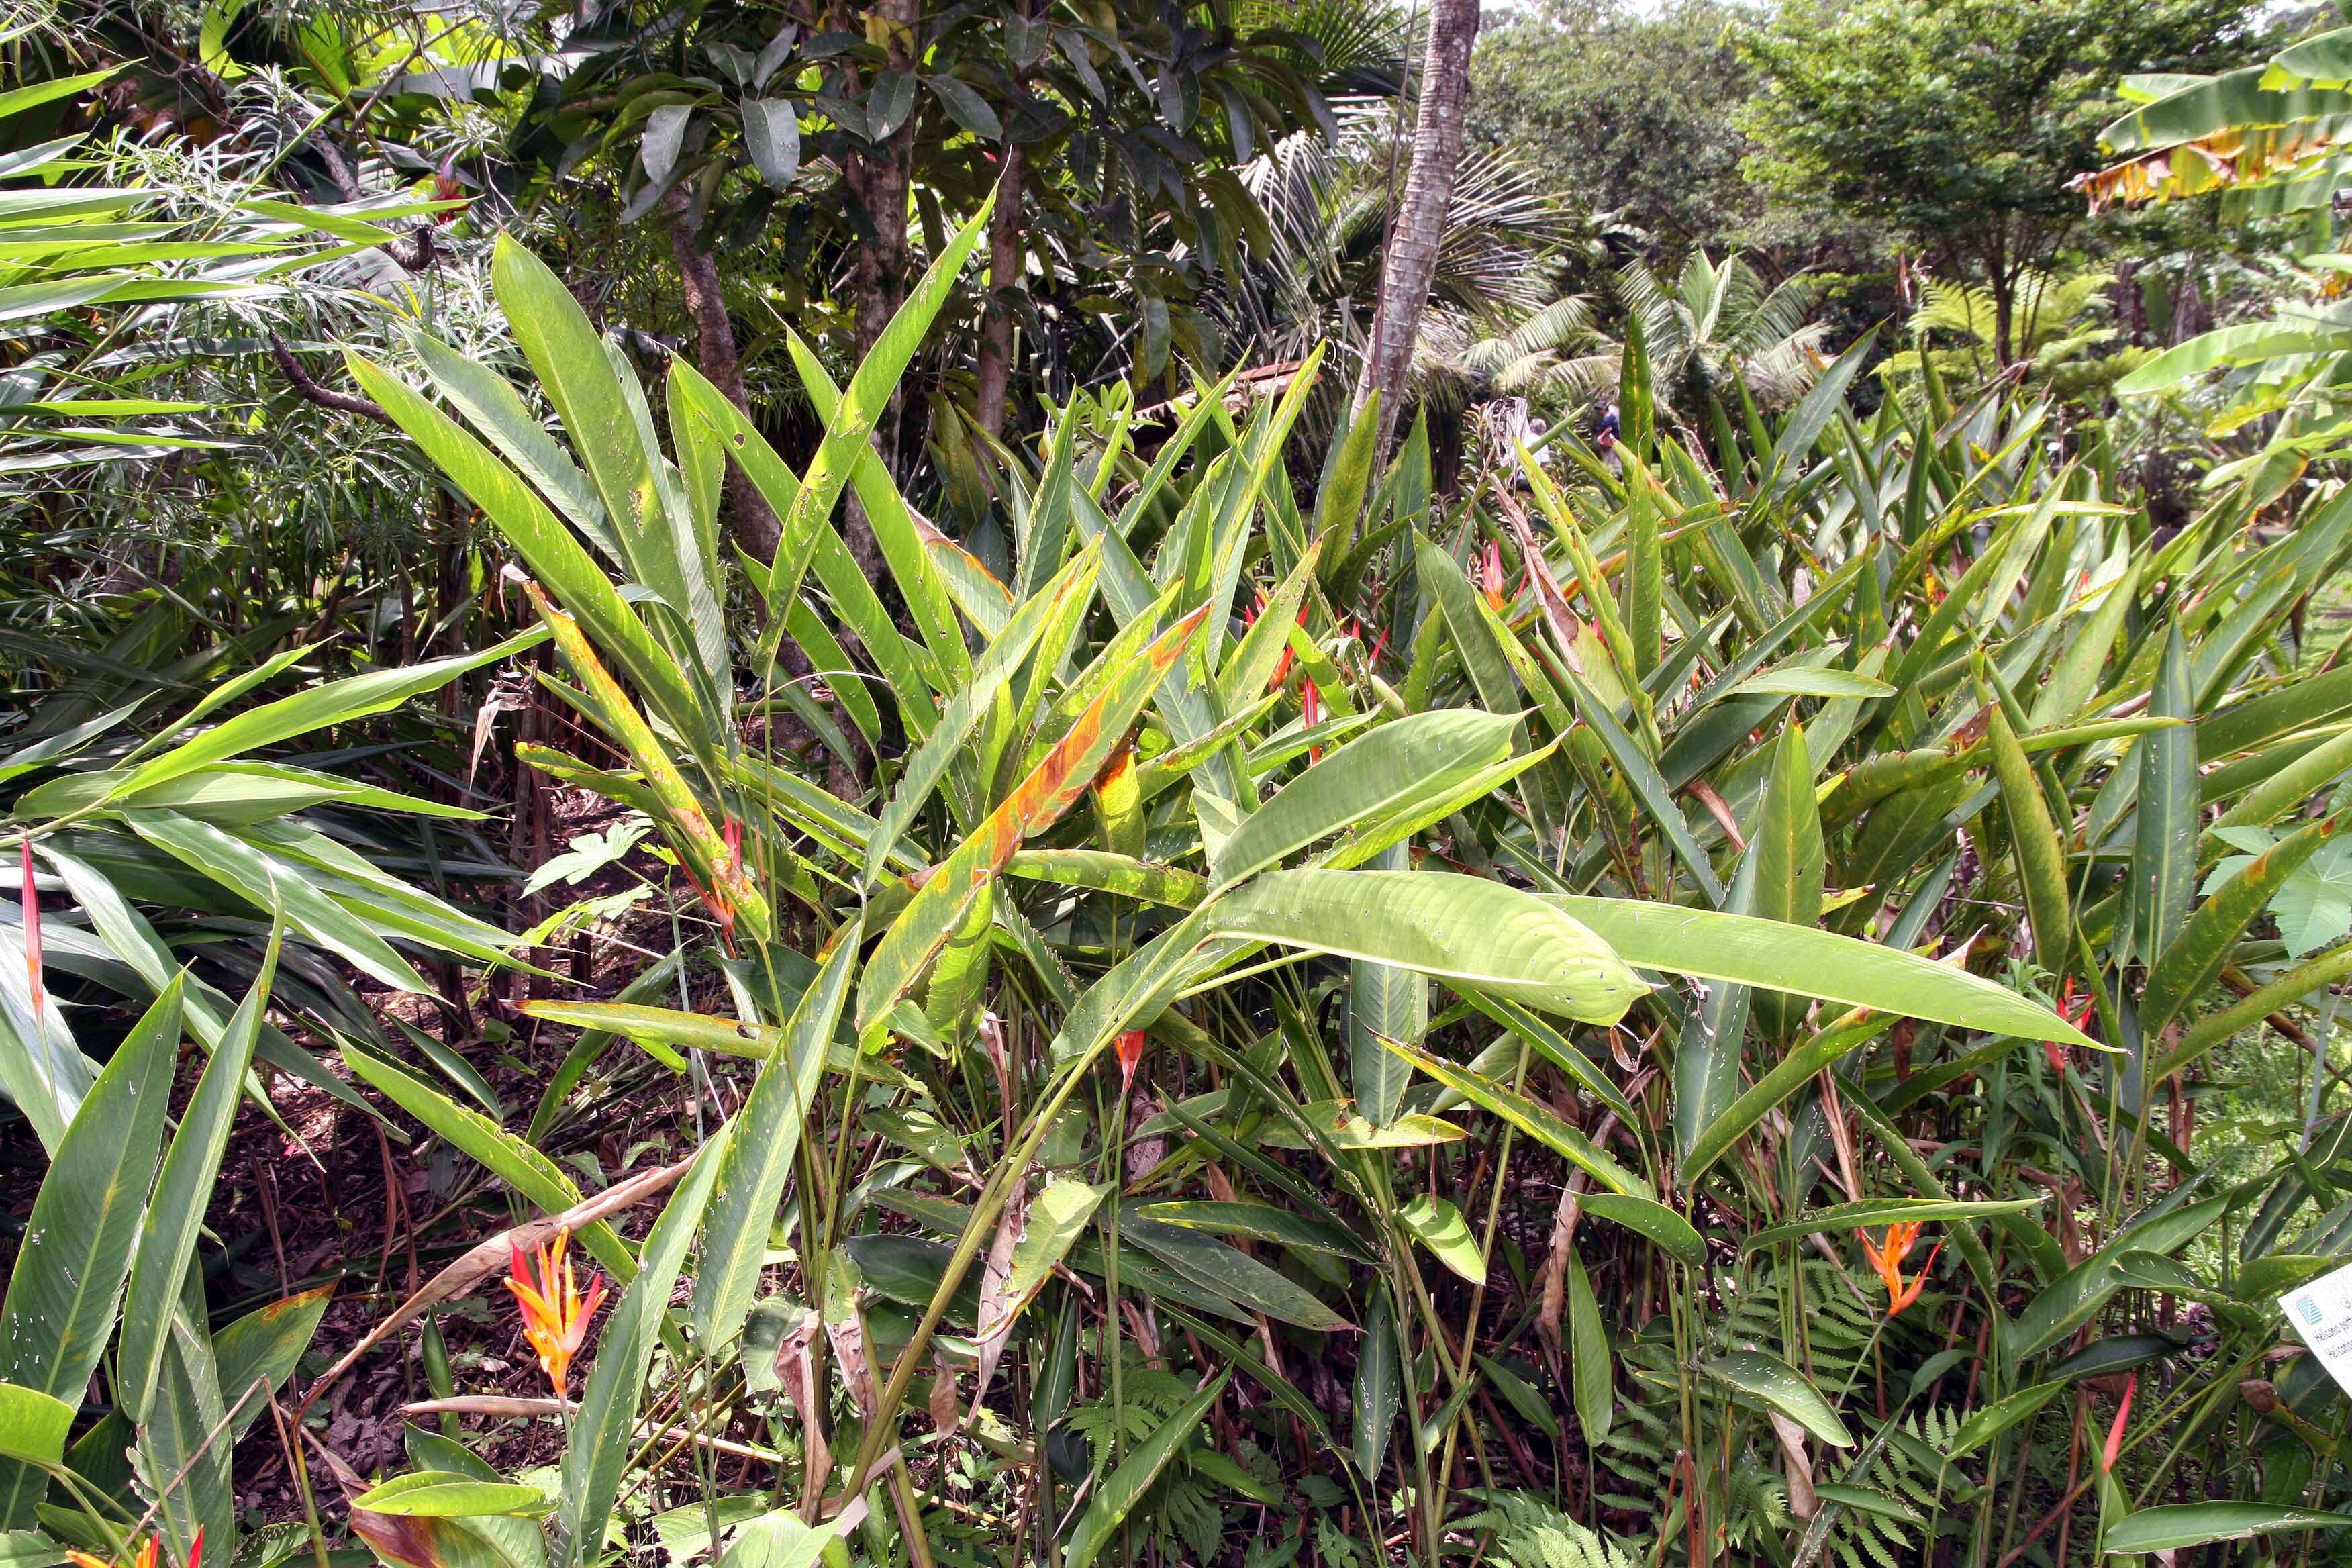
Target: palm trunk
[1419,226]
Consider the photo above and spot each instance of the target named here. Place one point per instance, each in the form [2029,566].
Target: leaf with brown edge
[1059,781]
[716,867]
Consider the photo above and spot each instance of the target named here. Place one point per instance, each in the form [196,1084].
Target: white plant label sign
[2321,1316]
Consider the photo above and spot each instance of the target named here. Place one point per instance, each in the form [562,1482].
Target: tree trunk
[995,370]
[879,182]
[756,526]
[1419,226]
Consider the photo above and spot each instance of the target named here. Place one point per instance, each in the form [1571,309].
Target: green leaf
[263,1348]
[1648,1217]
[1886,1211]
[767,1140]
[1384,1003]
[2202,950]
[2162,876]
[1787,847]
[337,702]
[1438,1226]
[1592,1373]
[853,418]
[2041,853]
[1378,1392]
[529,1172]
[33,1425]
[603,1433]
[445,1494]
[1057,1217]
[1802,681]
[1444,924]
[1985,1425]
[1232,1274]
[2170,1527]
[1750,951]
[1379,773]
[1779,1386]
[78,1245]
[1530,1118]
[167,1232]
[771,134]
[1121,1490]
[1258,1222]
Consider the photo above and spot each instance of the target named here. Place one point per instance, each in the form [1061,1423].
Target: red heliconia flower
[1493,578]
[1129,1047]
[2115,1447]
[1310,713]
[1886,1257]
[150,1554]
[2076,1013]
[555,1314]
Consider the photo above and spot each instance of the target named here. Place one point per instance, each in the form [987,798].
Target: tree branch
[325,397]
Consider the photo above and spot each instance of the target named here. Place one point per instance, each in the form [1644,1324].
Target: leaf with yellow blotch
[716,866]
[1057,784]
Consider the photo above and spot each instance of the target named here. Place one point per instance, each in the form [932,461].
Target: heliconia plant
[1254,993]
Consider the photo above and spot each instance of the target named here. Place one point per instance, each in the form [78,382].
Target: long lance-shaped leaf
[714,865]
[921,583]
[337,702]
[860,409]
[1641,774]
[1592,1373]
[85,1224]
[2279,794]
[1057,784]
[1530,1118]
[997,666]
[525,1169]
[603,1432]
[1124,1487]
[1381,772]
[1453,927]
[2201,951]
[1885,1211]
[602,409]
[1787,843]
[2327,969]
[1792,1073]
[2163,872]
[2041,855]
[759,1157]
[1384,1003]
[1777,1384]
[2177,1526]
[1716,946]
[167,1234]
[551,553]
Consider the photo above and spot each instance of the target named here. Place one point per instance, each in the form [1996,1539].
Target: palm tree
[1718,327]
[1410,261]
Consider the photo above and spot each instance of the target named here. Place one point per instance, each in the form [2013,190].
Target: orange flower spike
[1495,601]
[149,1555]
[1886,1260]
[1310,713]
[1130,1052]
[555,1315]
